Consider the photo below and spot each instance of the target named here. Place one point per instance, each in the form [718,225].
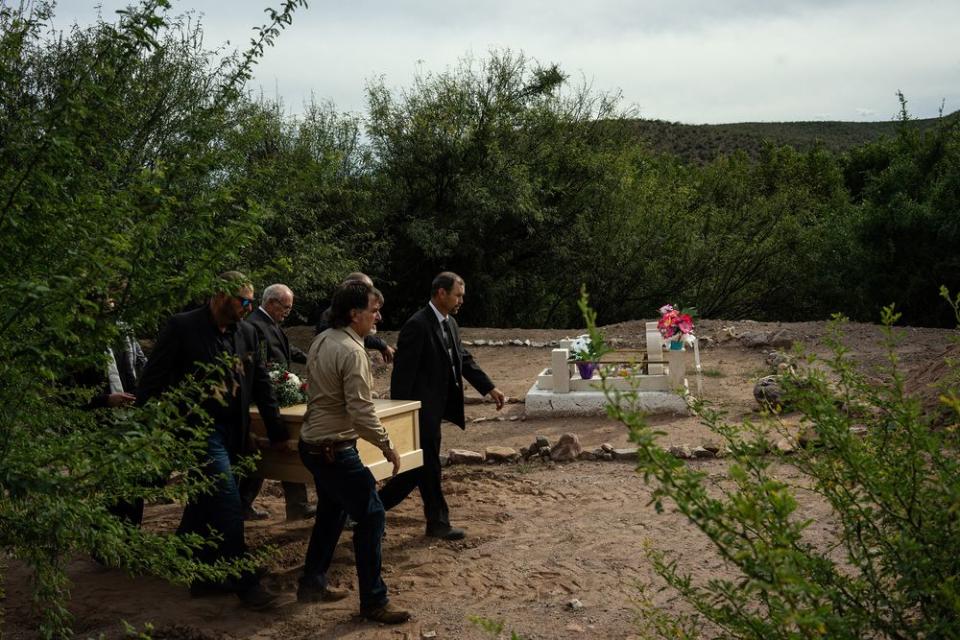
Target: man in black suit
[429,366]
[200,337]
[370,341]
[275,305]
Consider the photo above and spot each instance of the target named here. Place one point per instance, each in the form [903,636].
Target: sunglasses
[246,303]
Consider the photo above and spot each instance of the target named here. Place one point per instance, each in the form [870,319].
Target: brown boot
[314,593]
[386,614]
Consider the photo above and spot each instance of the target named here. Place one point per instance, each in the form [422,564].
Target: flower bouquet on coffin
[676,326]
[586,355]
[287,386]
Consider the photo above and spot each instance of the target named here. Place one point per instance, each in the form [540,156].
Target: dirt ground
[539,535]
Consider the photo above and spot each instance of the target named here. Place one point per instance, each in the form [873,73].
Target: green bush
[490,169]
[112,184]
[892,483]
[907,192]
[310,174]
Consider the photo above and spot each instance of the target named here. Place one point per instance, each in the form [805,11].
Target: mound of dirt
[926,380]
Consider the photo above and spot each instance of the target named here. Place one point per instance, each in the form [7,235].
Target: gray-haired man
[275,305]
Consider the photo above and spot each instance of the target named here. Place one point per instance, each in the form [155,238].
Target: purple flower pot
[586,369]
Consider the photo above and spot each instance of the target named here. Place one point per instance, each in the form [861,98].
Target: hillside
[703,142]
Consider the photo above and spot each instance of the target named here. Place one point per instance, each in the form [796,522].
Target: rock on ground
[567,449]
[464,456]
[768,392]
[501,454]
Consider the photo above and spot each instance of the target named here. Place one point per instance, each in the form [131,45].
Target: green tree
[734,238]
[112,184]
[480,170]
[907,190]
[758,230]
[311,176]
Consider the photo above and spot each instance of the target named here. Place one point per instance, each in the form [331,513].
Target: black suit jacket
[422,371]
[191,338]
[274,342]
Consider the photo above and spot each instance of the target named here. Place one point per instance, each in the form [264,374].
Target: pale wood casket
[399,417]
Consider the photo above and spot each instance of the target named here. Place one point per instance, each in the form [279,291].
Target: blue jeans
[219,510]
[345,486]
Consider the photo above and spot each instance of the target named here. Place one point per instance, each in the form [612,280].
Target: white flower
[288,387]
[580,344]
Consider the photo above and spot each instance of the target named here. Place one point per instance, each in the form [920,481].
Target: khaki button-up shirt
[340,385]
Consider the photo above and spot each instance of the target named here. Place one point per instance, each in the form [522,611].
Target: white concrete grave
[657,376]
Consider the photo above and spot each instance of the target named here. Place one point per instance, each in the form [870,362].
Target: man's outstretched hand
[497,396]
[120,399]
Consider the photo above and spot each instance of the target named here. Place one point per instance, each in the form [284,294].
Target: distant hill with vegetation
[701,143]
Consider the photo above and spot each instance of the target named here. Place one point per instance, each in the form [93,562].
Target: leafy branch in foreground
[112,186]
[891,568]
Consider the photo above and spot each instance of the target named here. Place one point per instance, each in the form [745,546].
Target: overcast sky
[693,61]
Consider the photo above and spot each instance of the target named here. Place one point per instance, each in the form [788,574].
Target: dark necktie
[448,343]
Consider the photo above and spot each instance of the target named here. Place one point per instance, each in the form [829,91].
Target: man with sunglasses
[207,336]
[371,342]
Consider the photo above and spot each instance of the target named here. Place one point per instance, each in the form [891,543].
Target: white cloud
[689,60]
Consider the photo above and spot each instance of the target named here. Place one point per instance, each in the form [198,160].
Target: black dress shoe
[301,513]
[256,598]
[252,513]
[446,533]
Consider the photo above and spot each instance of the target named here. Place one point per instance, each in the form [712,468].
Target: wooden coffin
[399,417]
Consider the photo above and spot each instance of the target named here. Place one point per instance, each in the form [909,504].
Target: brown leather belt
[327,448]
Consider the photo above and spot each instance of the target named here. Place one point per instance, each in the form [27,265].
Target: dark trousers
[345,487]
[128,512]
[294,494]
[427,478]
[220,510]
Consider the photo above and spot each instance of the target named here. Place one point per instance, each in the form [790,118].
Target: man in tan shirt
[340,410]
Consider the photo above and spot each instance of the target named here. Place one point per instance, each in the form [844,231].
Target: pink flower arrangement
[675,324]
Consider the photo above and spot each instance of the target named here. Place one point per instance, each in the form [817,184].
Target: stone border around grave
[569,449]
[514,342]
[542,404]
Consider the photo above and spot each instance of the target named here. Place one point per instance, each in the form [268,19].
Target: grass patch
[526,467]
